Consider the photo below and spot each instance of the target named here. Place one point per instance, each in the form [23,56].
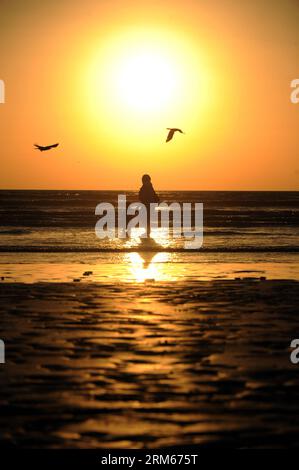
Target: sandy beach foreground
[149,365]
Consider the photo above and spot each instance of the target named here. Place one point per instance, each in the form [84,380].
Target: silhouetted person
[147,195]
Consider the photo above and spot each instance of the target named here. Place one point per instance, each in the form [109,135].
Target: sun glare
[138,83]
[146,80]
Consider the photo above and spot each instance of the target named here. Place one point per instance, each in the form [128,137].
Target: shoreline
[154,249]
[139,266]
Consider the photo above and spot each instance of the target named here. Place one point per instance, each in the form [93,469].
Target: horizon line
[172,190]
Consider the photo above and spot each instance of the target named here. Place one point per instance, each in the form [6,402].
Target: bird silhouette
[44,148]
[171,132]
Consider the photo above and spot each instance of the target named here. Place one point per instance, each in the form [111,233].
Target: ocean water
[244,232]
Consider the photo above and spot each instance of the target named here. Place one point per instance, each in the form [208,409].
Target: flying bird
[47,147]
[171,132]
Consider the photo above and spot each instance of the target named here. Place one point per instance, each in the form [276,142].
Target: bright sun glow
[146,80]
[138,83]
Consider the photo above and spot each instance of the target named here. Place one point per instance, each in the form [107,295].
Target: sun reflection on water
[147,266]
[159,238]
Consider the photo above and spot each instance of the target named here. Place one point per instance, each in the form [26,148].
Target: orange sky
[106,77]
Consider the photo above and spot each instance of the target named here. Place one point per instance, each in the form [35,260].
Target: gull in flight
[47,147]
[171,132]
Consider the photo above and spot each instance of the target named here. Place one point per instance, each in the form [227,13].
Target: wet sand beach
[149,365]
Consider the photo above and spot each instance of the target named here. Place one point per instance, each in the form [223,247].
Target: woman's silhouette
[147,195]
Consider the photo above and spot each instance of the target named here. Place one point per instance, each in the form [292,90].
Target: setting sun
[136,85]
[145,80]
[139,73]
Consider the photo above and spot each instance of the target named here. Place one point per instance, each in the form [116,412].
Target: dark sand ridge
[149,365]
